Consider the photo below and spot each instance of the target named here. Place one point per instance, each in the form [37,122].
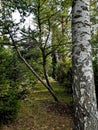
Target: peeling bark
[86,115]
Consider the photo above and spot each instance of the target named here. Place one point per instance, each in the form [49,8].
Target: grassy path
[39,112]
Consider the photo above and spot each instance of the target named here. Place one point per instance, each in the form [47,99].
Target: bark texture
[86,115]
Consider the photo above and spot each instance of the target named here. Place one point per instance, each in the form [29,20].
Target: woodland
[39,68]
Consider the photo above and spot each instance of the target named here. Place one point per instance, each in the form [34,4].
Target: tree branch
[47,35]
[31,69]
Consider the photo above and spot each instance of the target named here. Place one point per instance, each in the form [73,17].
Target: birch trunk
[86,115]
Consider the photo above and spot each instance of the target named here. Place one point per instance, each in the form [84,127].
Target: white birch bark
[86,116]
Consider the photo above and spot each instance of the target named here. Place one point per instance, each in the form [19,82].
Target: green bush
[9,104]
[64,70]
[64,73]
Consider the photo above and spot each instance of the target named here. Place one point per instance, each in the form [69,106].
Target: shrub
[64,73]
[9,104]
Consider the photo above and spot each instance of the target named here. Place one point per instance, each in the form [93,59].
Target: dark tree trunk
[54,64]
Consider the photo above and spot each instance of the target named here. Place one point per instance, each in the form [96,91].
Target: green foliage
[47,18]
[8,93]
[48,36]
[39,112]
[94,12]
[9,104]
[64,72]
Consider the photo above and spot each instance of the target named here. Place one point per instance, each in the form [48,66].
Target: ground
[38,111]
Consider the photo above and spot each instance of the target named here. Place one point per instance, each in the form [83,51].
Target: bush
[9,104]
[64,70]
[64,73]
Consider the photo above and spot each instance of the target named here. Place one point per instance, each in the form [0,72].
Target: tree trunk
[38,77]
[32,70]
[86,115]
[54,64]
[45,71]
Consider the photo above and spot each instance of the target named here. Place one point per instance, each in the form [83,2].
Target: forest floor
[39,112]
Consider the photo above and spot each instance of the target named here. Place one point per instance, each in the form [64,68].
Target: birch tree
[86,116]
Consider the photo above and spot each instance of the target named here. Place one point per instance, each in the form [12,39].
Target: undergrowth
[39,112]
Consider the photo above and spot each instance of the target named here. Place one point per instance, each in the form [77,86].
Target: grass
[39,112]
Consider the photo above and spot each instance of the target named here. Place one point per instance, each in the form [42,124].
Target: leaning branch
[31,69]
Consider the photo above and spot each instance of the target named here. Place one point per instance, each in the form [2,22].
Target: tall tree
[11,28]
[86,115]
[45,13]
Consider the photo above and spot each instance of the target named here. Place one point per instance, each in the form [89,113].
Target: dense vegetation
[37,51]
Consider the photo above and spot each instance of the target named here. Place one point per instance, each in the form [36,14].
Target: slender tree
[86,116]
[45,14]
